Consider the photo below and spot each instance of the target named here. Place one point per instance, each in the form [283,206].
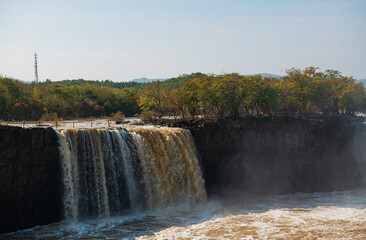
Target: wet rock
[30,186]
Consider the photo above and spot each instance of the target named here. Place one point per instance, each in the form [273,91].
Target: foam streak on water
[335,215]
[312,223]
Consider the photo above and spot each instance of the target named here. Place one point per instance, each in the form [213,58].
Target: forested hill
[230,95]
[172,83]
[106,83]
[74,98]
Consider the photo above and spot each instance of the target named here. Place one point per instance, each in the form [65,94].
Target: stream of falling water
[110,171]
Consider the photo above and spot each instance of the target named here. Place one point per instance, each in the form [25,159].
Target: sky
[122,40]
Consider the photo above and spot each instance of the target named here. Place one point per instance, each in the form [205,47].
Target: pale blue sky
[122,40]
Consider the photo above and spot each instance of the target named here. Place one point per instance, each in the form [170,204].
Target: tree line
[187,96]
[20,101]
[233,95]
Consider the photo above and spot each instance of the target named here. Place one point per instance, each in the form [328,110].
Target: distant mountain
[362,80]
[268,75]
[25,81]
[146,80]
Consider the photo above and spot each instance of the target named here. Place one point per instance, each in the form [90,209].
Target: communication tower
[35,68]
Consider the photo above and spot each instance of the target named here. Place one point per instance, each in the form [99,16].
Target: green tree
[153,97]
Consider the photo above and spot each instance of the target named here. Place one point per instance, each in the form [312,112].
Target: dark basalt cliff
[255,155]
[30,180]
[281,155]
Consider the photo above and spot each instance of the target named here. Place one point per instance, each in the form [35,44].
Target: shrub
[146,115]
[50,117]
[118,117]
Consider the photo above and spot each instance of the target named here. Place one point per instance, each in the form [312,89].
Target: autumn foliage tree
[304,92]
[233,95]
[154,97]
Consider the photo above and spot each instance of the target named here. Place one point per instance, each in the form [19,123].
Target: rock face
[265,156]
[281,155]
[30,178]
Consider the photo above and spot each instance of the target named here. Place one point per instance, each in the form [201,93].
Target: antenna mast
[35,68]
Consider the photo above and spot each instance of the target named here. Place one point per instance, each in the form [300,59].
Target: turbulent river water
[146,183]
[333,215]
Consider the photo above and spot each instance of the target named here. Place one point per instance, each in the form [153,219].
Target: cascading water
[107,171]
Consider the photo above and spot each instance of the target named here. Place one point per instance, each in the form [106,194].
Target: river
[333,215]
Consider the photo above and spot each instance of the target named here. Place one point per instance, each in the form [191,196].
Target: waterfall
[109,171]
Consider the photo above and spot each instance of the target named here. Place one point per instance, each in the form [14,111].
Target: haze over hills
[363,81]
[268,75]
[146,80]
